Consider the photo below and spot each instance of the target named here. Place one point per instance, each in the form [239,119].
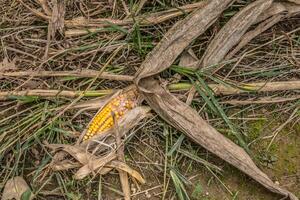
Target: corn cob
[119,105]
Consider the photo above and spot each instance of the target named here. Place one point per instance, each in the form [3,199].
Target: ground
[173,166]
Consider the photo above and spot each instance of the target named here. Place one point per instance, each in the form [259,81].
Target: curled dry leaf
[263,26]
[275,13]
[274,9]
[292,8]
[76,151]
[288,8]
[94,165]
[16,188]
[165,53]
[294,1]
[122,166]
[180,115]
[188,59]
[232,31]
[64,165]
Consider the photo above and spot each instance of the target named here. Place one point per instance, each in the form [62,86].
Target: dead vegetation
[207,70]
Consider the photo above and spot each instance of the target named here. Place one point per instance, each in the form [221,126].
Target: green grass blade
[219,110]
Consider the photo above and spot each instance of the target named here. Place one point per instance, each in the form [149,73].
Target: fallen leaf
[97,161]
[263,26]
[294,1]
[94,165]
[179,114]
[232,31]
[188,59]
[16,188]
[124,167]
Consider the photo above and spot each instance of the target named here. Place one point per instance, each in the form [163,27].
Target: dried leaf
[232,31]
[64,165]
[274,9]
[180,115]
[188,59]
[263,26]
[293,9]
[122,166]
[76,151]
[187,120]
[88,162]
[287,8]
[7,65]
[16,188]
[94,165]
[185,31]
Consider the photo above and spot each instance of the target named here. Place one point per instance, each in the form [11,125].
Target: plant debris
[214,91]
[16,188]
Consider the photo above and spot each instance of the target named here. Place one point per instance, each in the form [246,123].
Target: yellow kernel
[104,120]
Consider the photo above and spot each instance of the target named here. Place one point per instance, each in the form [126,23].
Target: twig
[253,33]
[34,11]
[217,88]
[262,100]
[140,6]
[125,8]
[120,156]
[52,93]
[82,74]
[220,89]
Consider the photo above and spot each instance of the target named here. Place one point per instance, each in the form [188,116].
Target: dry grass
[114,53]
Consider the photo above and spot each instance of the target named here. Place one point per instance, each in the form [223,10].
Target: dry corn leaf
[16,188]
[288,8]
[188,59]
[124,167]
[130,120]
[94,165]
[232,31]
[105,164]
[263,26]
[90,163]
[76,151]
[275,13]
[180,115]
[292,8]
[274,9]
[64,165]
[186,30]
[294,1]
